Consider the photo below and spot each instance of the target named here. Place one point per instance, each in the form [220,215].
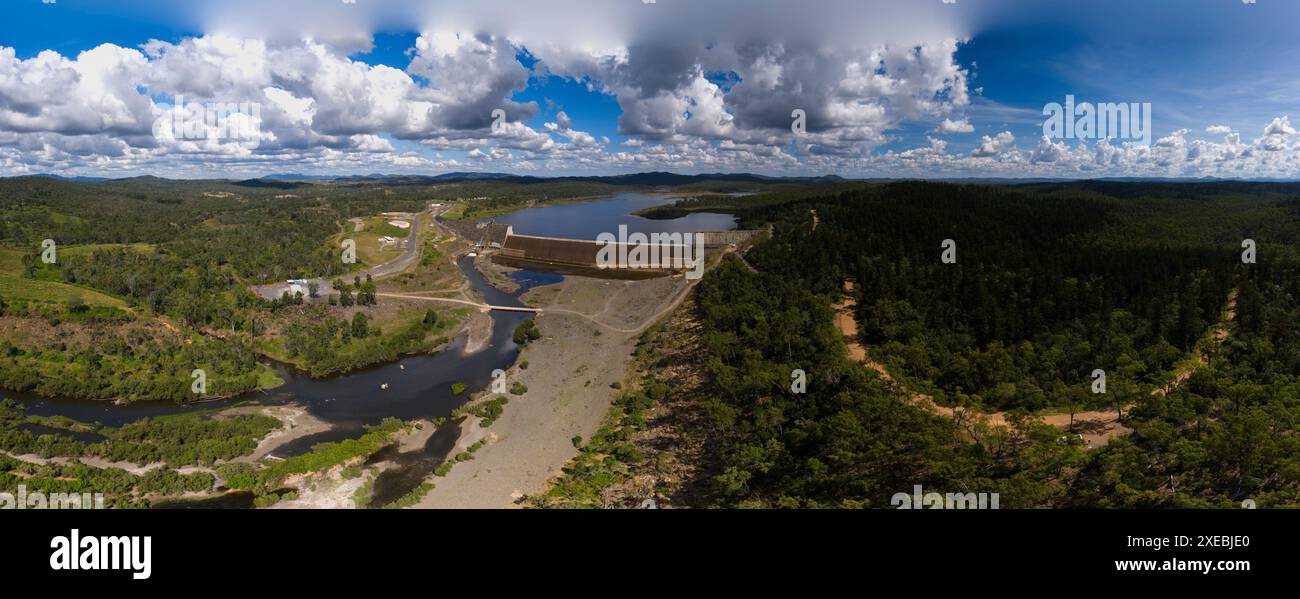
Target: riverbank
[570,377]
[295,423]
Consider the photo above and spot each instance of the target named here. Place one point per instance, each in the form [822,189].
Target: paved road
[402,262]
[409,256]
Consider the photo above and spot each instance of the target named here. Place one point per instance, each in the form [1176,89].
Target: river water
[419,386]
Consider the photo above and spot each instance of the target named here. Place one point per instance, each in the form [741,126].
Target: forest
[168,266]
[1049,283]
[999,299]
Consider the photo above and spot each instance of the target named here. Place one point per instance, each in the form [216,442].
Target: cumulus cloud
[958,126]
[991,146]
[709,86]
[1280,126]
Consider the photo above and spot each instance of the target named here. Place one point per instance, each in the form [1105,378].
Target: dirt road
[1097,427]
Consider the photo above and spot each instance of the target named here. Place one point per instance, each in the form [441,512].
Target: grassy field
[370,252]
[436,270]
[379,226]
[456,212]
[15,286]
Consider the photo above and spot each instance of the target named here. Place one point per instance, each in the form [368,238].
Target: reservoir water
[589,219]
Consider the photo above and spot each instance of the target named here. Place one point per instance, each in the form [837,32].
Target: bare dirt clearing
[569,378]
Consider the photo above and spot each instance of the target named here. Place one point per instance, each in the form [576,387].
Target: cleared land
[570,377]
[16,286]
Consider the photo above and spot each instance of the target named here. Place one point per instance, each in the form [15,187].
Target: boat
[384,386]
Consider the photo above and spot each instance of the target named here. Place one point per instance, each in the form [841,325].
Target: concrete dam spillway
[569,238]
[579,256]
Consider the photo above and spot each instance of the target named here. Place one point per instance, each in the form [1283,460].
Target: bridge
[482,307]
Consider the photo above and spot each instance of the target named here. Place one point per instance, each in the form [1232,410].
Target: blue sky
[610,89]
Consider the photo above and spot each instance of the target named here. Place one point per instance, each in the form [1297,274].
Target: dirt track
[1096,427]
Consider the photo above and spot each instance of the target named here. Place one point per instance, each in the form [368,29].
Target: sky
[855,88]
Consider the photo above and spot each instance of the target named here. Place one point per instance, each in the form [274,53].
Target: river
[419,386]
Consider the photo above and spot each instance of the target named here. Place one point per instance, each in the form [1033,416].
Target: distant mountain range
[73,179]
[650,178]
[654,178]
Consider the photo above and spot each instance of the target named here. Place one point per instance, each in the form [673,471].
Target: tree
[366,296]
[359,327]
[525,332]
[312,289]
[345,298]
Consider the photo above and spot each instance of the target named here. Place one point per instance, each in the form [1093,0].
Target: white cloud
[991,146]
[958,126]
[710,86]
[1280,126]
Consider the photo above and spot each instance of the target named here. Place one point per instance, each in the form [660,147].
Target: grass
[327,455]
[16,286]
[379,226]
[435,270]
[268,379]
[369,250]
[456,212]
